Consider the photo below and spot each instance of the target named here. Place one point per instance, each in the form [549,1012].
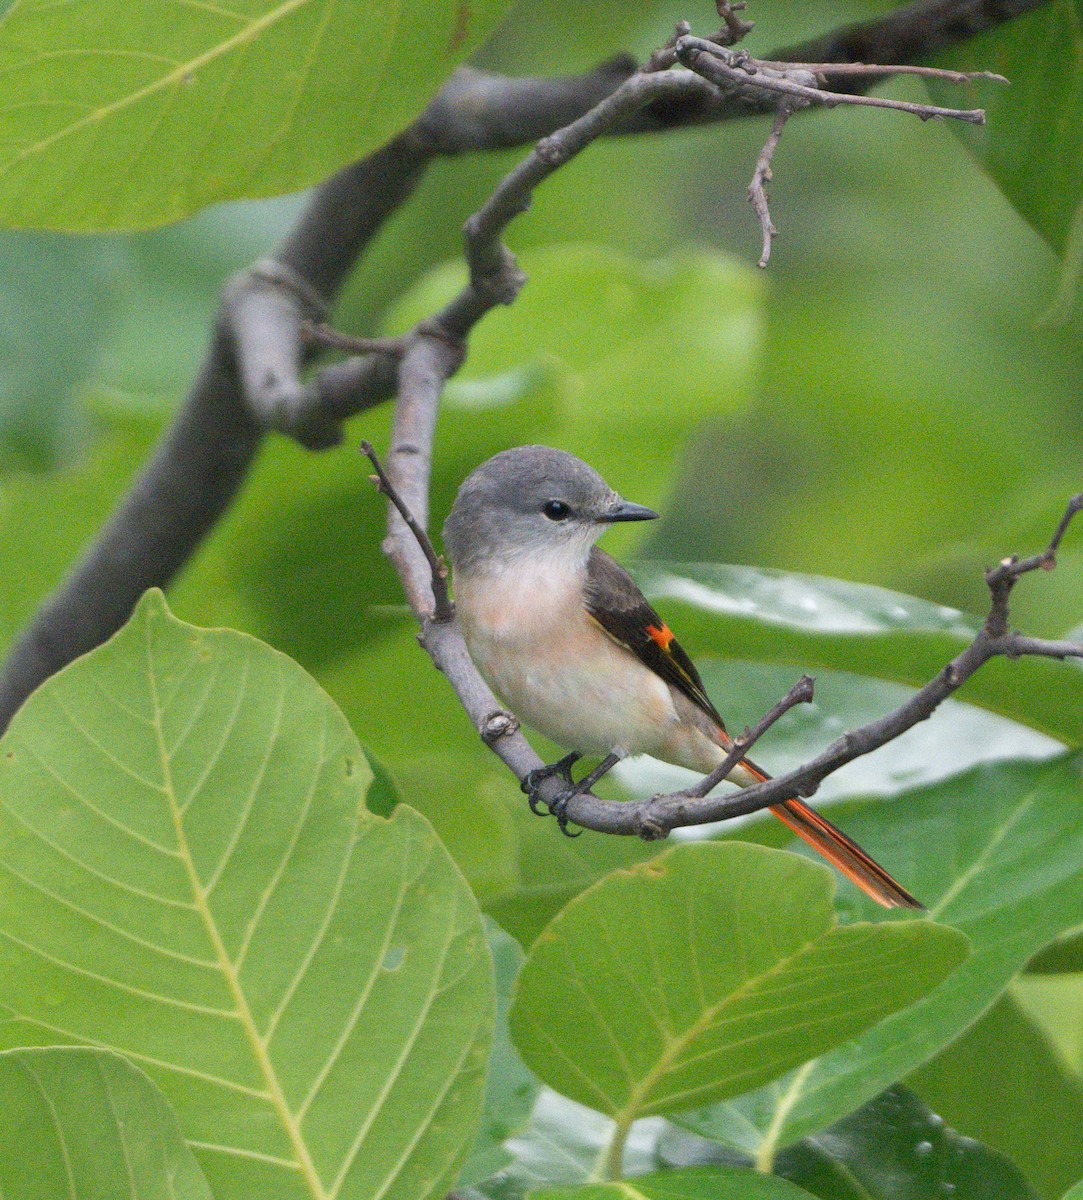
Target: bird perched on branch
[563,634]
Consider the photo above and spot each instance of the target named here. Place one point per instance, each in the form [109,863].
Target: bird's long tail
[837,848]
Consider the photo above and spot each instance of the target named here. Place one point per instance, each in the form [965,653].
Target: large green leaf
[1032,141]
[708,970]
[810,622]
[79,1124]
[157,107]
[998,853]
[1003,1083]
[192,878]
[1075,1193]
[693,1183]
[896,1148]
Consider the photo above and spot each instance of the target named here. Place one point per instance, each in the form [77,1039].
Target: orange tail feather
[839,850]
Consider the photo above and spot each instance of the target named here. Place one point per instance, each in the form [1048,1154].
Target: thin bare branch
[800,693]
[757,193]
[879,70]
[736,71]
[443,609]
[318,333]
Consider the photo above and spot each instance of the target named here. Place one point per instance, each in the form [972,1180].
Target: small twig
[797,85]
[494,274]
[735,70]
[800,693]
[1003,577]
[664,57]
[443,609]
[757,193]
[872,70]
[319,333]
[736,29]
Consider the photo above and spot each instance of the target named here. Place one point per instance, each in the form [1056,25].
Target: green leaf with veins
[193,879]
[82,1124]
[998,853]
[711,968]
[159,107]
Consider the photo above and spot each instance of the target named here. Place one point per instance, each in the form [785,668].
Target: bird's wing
[614,601]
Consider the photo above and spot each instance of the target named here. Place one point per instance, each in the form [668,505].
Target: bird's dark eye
[556,510]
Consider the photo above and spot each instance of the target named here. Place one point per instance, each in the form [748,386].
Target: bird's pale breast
[532,640]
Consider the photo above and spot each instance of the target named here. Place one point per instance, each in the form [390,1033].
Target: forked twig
[798,85]
[800,693]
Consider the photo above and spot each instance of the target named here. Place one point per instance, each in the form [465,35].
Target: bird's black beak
[625,511]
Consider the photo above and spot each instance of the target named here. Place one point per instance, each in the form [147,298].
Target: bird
[563,635]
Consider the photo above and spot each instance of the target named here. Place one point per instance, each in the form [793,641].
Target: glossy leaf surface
[896,1148]
[775,616]
[1005,1085]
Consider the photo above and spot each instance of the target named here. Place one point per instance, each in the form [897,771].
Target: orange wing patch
[661,637]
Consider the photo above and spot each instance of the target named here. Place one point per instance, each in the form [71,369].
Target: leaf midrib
[676,1044]
[225,963]
[246,33]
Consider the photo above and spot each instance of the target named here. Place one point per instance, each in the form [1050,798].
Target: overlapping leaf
[80,1124]
[708,970]
[510,1088]
[896,1148]
[998,853]
[123,114]
[192,878]
[1004,1084]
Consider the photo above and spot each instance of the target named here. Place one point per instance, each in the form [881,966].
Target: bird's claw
[557,806]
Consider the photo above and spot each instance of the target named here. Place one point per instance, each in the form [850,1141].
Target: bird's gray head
[530,502]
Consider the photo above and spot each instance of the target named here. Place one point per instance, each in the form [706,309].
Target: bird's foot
[558,806]
[533,781]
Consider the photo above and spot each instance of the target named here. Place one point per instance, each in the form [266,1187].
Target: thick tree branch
[250,381]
